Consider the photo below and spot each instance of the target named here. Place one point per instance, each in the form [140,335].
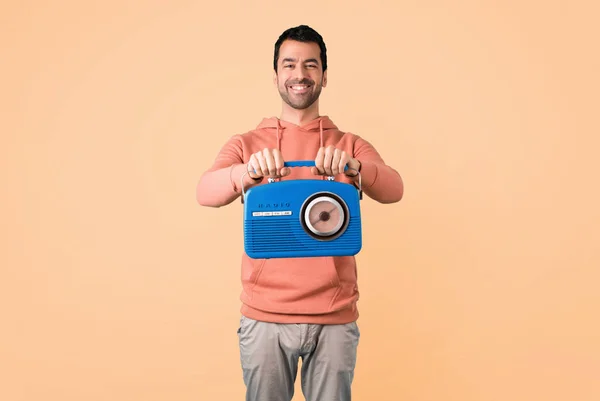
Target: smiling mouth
[299,88]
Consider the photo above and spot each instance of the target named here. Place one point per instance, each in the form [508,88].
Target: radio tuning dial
[325,216]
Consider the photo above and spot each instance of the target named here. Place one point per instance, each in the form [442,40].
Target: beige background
[116,286]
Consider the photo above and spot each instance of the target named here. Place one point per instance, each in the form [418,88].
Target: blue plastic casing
[273,214]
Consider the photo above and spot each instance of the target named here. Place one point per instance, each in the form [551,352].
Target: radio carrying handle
[304,163]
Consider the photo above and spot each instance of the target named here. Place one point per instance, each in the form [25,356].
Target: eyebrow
[310,60]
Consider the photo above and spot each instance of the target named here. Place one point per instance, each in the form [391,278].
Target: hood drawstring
[321,131]
[321,138]
[278,137]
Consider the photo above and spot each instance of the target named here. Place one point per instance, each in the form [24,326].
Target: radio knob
[324,216]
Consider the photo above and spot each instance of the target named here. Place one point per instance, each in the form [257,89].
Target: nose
[300,72]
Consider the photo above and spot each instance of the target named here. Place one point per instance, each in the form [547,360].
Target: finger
[343,161]
[319,161]
[278,161]
[327,160]
[264,170]
[270,162]
[335,163]
[254,167]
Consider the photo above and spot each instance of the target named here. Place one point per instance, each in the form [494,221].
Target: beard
[300,101]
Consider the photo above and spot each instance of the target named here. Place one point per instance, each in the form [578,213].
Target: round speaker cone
[324,216]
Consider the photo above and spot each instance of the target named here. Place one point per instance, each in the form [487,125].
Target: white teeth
[299,87]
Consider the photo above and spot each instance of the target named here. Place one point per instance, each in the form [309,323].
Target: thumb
[315,171]
[284,171]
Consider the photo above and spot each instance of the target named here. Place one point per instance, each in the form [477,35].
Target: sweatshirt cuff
[368,173]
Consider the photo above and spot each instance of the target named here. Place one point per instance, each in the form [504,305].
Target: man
[305,307]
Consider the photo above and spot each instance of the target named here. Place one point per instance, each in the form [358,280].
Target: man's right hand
[267,163]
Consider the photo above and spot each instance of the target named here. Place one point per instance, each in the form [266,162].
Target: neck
[299,117]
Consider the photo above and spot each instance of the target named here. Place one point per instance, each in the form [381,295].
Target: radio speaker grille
[288,235]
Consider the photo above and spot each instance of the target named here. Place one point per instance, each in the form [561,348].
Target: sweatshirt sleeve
[379,181]
[220,184]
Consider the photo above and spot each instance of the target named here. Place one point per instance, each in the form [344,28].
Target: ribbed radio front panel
[287,234]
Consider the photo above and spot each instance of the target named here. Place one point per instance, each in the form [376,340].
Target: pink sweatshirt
[319,290]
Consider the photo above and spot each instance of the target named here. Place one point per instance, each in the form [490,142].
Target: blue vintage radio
[302,218]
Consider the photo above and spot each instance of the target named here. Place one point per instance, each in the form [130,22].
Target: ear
[324,79]
[274,78]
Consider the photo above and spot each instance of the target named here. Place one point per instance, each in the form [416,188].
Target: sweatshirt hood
[319,124]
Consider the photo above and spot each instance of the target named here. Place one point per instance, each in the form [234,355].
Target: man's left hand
[331,161]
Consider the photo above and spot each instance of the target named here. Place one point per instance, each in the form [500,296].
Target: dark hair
[301,33]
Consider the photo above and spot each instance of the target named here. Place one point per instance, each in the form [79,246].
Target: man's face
[300,76]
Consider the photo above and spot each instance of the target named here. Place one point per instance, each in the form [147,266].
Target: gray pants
[270,353]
